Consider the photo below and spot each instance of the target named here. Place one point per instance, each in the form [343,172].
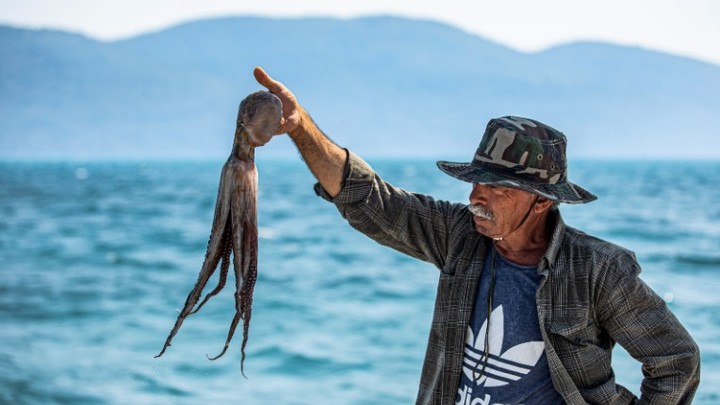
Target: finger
[260,75]
[276,88]
[263,78]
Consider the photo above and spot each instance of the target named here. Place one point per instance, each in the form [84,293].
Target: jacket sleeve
[411,223]
[641,322]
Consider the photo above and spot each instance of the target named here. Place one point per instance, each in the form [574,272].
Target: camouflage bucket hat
[521,153]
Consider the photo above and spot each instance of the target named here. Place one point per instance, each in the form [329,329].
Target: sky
[687,28]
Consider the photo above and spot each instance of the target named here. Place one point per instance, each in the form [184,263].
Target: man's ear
[542,204]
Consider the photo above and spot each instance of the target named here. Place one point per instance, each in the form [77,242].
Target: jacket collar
[555,241]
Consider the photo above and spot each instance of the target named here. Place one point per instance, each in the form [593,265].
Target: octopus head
[259,115]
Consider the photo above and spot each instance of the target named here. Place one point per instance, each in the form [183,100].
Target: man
[527,309]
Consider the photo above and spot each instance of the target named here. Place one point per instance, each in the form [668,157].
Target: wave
[699,260]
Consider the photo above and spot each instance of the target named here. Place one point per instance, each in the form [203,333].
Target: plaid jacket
[590,298]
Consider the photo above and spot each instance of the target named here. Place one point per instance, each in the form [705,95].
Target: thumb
[264,79]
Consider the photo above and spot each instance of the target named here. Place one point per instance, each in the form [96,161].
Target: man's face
[499,210]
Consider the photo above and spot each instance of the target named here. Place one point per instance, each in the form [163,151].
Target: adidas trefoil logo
[502,368]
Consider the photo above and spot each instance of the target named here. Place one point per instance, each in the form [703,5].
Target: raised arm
[411,223]
[325,159]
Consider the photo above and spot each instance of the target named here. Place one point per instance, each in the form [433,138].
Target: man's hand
[291,109]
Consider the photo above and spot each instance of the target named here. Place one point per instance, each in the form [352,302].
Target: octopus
[234,227]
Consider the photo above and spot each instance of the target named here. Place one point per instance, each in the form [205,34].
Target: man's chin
[481,227]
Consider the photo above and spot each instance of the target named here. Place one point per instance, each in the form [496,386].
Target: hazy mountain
[381,86]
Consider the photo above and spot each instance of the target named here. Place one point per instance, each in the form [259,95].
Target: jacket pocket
[575,326]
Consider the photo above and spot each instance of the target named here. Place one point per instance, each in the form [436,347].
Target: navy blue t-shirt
[517,370]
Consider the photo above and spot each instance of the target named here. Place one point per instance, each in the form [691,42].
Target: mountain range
[382,86]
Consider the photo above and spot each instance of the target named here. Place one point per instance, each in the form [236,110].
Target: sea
[97,258]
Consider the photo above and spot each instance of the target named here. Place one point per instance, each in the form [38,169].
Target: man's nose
[478,193]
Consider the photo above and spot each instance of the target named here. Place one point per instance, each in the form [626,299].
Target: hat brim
[566,192]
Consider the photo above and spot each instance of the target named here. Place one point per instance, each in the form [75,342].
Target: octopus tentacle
[224,267]
[231,332]
[213,254]
[192,299]
[238,230]
[244,216]
[250,277]
[245,285]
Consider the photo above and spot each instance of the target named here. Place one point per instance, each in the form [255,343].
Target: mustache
[480,211]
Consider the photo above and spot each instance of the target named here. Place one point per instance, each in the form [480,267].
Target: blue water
[96,259]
